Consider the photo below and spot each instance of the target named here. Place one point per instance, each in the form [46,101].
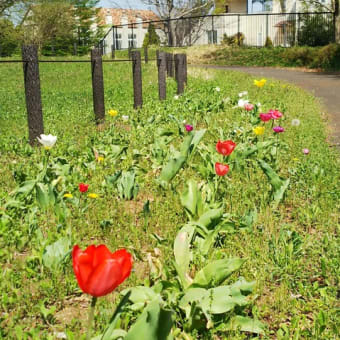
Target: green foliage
[9,38]
[151,37]
[268,43]
[236,39]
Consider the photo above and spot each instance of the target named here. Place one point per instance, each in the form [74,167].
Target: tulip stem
[91,317]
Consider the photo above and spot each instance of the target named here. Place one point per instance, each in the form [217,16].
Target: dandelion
[113,113]
[47,141]
[305,151]
[92,195]
[100,159]
[68,195]
[296,122]
[295,159]
[260,83]
[259,130]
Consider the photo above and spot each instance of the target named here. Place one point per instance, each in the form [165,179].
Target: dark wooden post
[32,92]
[161,64]
[169,64]
[97,85]
[113,51]
[146,54]
[185,68]
[137,79]
[179,70]
[129,53]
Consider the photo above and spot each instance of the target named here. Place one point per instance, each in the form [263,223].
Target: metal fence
[280,29]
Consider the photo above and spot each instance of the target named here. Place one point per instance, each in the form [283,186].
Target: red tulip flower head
[276,114]
[189,127]
[278,129]
[265,117]
[225,148]
[221,169]
[98,271]
[249,107]
[83,187]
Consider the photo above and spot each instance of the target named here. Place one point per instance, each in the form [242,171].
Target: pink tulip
[248,107]
[278,129]
[189,127]
[265,117]
[305,151]
[276,114]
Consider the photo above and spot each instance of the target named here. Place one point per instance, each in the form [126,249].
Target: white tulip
[242,102]
[125,118]
[243,93]
[176,97]
[295,122]
[217,89]
[47,141]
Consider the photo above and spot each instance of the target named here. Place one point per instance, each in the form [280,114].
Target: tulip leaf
[140,294]
[182,253]
[111,333]
[191,199]
[26,187]
[154,323]
[245,324]
[279,185]
[127,186]
[55,253]
[170,169]
[211,218]
[216,272]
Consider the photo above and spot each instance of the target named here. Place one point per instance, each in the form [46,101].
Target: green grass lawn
[290,250]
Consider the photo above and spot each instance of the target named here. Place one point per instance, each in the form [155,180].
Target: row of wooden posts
[168,64]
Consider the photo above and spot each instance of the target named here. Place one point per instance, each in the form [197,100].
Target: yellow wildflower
[100,159]
[260,83]
[259,130]
[92,195]
[295,159]
[113,113]
[68,195]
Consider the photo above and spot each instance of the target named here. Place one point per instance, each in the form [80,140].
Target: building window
[118,41]
[212,37]
[132,40]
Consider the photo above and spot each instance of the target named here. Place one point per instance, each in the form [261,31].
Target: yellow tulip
[259,130]
[260,83]
[100,159]
[113,113]
[68,195]
[92,195]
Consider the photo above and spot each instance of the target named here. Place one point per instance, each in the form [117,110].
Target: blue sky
[135,4]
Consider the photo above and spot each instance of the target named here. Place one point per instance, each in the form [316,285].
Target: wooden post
[75,49]
[98,85]
[161,64]
[129,53]
[137,79]
[179,70]
[113,51]
[169,65]
[185,68]
[146,54]
[32,92]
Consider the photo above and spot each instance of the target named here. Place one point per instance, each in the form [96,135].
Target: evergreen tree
[151,37]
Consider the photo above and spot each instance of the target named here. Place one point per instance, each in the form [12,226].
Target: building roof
[132,15]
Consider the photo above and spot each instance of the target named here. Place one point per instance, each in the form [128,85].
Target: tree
[9,37]
[151,37]
[172,9]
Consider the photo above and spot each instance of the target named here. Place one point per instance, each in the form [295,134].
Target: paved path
[323,85]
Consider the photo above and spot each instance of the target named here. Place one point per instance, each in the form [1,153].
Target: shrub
[234,40]
[328,57]
[299,56]
[268,43]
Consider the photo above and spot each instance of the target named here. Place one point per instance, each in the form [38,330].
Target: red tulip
[276,114]
[221,169]
[83,187]
[265,117]
[98,271]
[225,148]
